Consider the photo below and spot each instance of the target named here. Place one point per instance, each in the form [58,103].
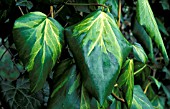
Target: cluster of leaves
[79,58]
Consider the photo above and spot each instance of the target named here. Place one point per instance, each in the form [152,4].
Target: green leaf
[39,41]
[139,53]
[98,52]
[164,4]
[126,81]
[17,96]
[61,98]
[161,27]
[85,100]
[113,5]
[26,3]
[158,84]
[97,1]
[144,39]
[140,101]
[7,69]
[146,18]
[158,102]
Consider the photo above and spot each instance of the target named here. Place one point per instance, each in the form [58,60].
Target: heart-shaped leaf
[39,41]
[146,18]
[126,81]
[98,52]
[139,53]
[140,101]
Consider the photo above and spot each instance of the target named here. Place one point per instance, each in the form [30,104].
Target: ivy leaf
[126,81]
[17,96]
[51,2]
[98,52]
[158,84]
[26,3]
[158,102]
[146,18]
[144,39]
[39,41]
[65,95]
[139,53]
[140,101]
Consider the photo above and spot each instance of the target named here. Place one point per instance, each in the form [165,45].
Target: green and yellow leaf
[39,41]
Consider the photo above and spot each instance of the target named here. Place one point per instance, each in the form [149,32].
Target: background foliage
[61,81]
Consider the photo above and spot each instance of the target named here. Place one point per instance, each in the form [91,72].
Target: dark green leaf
[126,81]
[139,53]
[161,27]
[158,102]
[144,39]
[39,41]
[114,7]
[17,96]
[167,73]
[7,69]
[65,94]
[99,52]
[26,3]
[165,4]
[140,101]
[146,18]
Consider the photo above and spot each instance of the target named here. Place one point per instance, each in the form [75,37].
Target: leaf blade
[39,41]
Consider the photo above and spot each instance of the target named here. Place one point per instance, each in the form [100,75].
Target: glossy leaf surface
[99,52]
[146,18]
[42,40]
[139,53]
[140,101]
[126,81]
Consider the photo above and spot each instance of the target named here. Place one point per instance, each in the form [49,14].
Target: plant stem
[140,69]
[51,11]
[86,4]
[147,86]
[116,97]
[20,9]
[119,13]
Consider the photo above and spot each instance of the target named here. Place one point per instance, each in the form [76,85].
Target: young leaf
[99,52]
[126,81]
[158,84]
[139,53]
[140,101]
[17,96]
[39,41]
[146,18]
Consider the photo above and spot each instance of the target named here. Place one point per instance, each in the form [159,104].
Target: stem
[116,97]
[51,11]
[20,9]
[140,69]
[147,87]
[86,4]
[119,14]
